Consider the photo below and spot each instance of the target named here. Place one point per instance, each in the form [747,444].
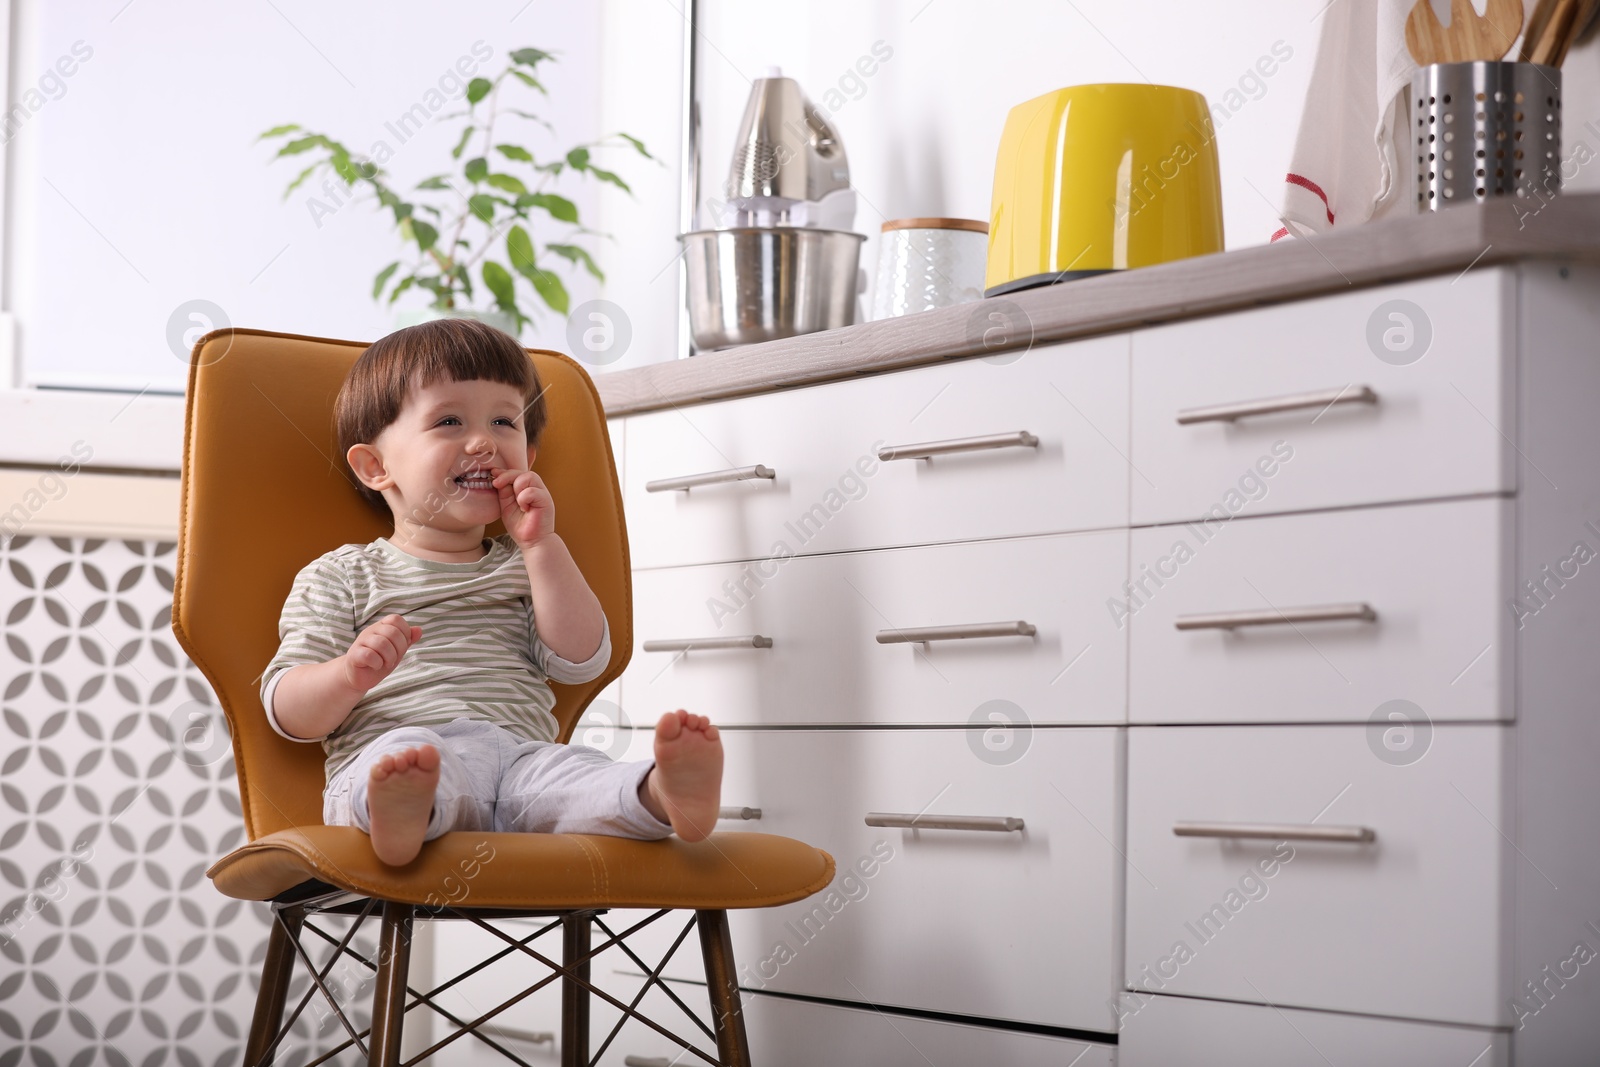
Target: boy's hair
[453,350]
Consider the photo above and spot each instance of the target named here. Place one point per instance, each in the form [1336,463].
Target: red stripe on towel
[1283,231]
[1307,183]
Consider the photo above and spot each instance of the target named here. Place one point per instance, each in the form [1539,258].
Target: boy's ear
[368,465]
[533,451]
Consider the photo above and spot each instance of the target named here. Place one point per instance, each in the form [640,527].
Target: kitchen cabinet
[1375,652]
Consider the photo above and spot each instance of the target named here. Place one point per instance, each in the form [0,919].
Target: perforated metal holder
[1486,129]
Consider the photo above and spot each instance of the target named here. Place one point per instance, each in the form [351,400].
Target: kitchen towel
[1345,168]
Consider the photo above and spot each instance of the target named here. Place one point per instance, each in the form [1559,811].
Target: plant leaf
[517,152]
[455,153]
[578,159]
[508,183]
[423,232]
[438,181]
[535,118]
[549,286]
[530,80]
[607,176]
[303,176]
[637,144]
[560,207]
[574,254]
[477,169]
[279,131]
[498,281]
[477,89]
[302,144]
[520,248]
[405,283]
[530,56]
[383,278]
[482,205]
[342,165]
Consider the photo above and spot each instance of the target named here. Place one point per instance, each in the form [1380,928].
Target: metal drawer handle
[1001,823]
[1276,831]
[531,1037]
[1232,620]
[685,644]
[927,450]
[956,633]
[689,481]
[738,813]
[646,1061]
[1325,398]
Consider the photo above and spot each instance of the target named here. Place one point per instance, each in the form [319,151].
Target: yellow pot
[1095,178]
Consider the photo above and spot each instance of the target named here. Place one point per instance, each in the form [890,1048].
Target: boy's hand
[526,506]
[376,651]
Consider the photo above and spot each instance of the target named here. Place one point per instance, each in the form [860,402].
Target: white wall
[922,131]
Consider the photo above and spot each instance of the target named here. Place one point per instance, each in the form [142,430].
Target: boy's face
[444,431]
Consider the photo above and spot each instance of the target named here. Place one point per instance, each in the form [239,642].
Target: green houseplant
[458,224]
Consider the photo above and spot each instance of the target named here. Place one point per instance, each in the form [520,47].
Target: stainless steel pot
[762,283]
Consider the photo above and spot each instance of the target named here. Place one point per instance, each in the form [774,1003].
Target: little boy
[419,660]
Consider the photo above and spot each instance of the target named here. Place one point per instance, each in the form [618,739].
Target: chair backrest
[264,493]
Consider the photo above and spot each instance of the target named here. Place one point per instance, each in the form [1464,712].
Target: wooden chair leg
[389,995]
[722,985]
[276,971]
[575,931]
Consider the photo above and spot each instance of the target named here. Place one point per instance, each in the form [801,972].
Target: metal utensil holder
[1486,129]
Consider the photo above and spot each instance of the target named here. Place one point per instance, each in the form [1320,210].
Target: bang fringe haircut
[443,350]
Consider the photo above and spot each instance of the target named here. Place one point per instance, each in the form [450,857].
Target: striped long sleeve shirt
[479,656]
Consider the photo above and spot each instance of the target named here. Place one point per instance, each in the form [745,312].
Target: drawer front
[1160,1031]
[1440,425]
[791,1033]
[823,615]
[830,491]
[617,431]
[1020,924]
[1409,924]
[1435,576]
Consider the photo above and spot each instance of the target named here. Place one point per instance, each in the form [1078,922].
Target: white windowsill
[138,433]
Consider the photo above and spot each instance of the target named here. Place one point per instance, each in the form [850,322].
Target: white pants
[492,780]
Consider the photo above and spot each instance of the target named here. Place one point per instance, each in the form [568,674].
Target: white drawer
[1437,577]
[829,491]
[617,433]
[825,664]
[1441,425]
[793,1033]
[1019,925]
[1164,1031]
[1408,925]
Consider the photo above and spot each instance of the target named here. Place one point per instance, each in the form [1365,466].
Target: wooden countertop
[1451,241]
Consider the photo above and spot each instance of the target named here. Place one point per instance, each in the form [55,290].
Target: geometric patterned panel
[117,791]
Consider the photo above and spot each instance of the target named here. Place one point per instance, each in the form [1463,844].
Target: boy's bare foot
[400,800]
[685,786]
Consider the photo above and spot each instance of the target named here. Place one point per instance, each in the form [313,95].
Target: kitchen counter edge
[1454,240]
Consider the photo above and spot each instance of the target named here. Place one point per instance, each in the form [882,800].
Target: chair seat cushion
[558,871]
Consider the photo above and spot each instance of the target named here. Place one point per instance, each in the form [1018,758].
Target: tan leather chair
[264,494]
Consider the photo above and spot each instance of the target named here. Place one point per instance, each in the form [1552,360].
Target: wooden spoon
[1582,21]
[1551,26]
[1469,35]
